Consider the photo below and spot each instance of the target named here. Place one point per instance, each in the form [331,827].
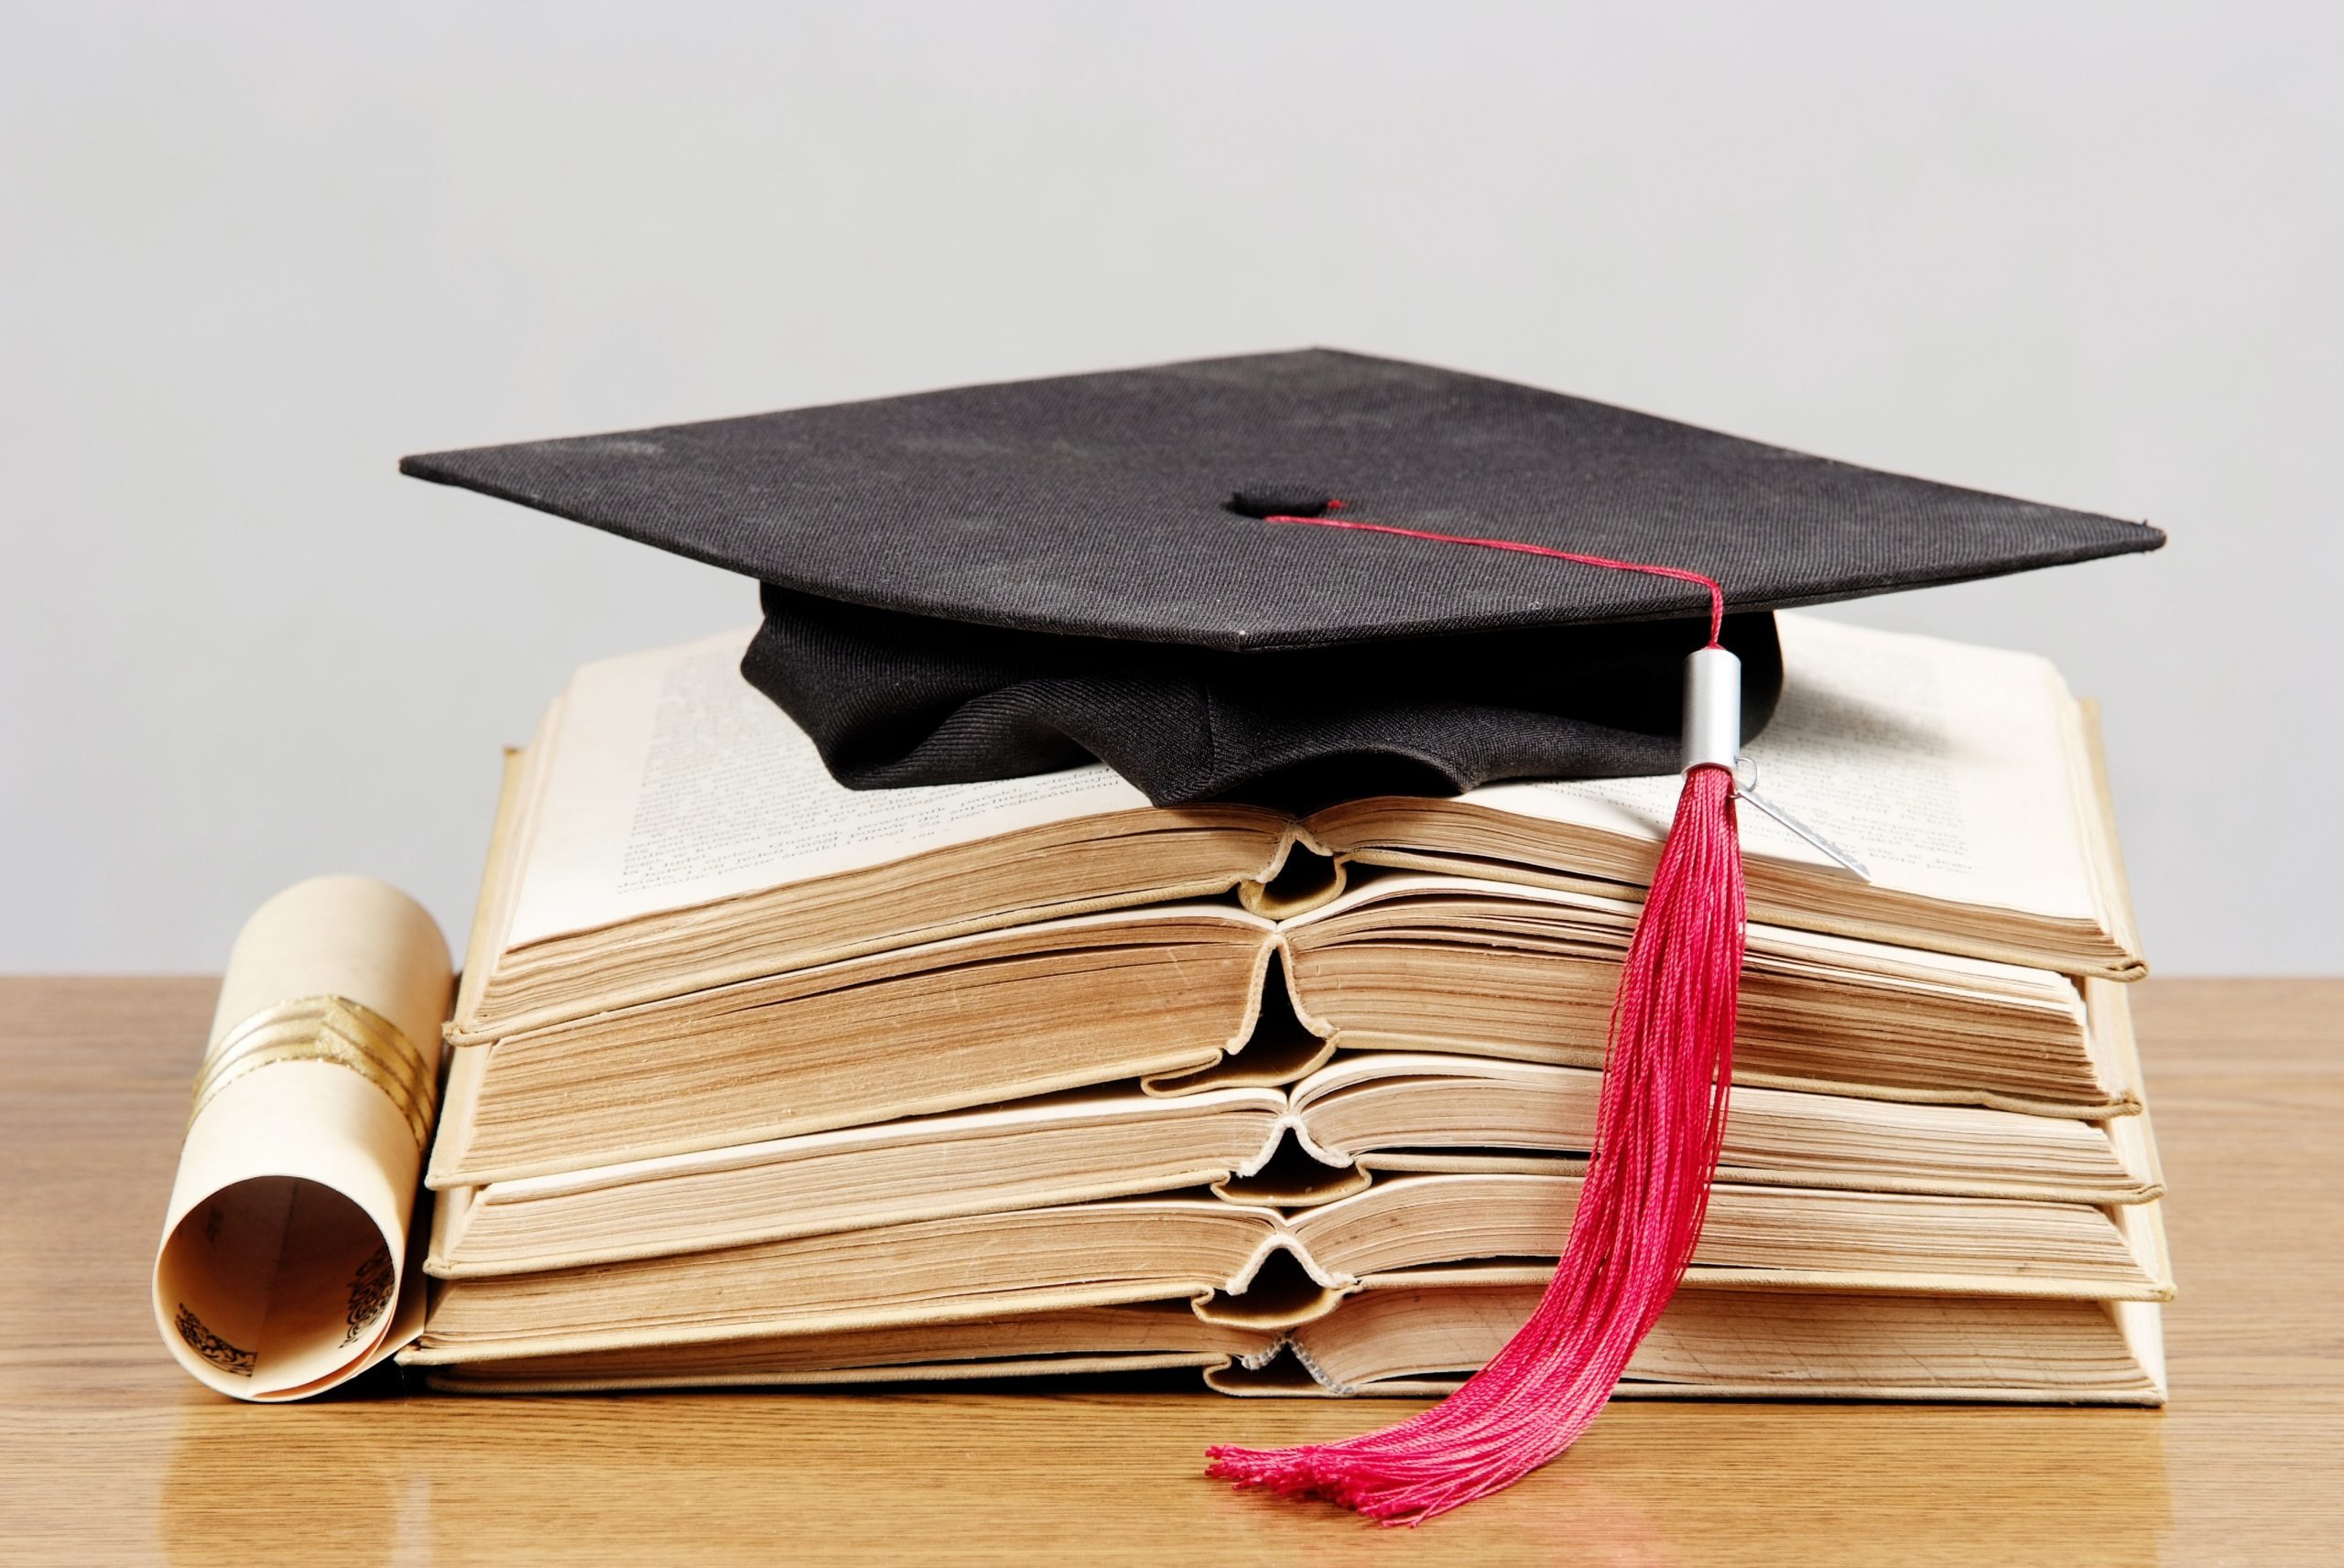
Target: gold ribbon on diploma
[326,1029]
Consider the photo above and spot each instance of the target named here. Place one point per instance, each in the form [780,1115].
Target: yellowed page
[1948,769]
[1989,976]
[284,1265]
[672,783]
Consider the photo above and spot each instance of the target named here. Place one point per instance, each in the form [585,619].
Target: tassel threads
[1659,1124]
[1658,1127]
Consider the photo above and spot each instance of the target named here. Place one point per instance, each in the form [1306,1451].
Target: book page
[1456,899]
[1948,769]
[671,782]
[1106,1104]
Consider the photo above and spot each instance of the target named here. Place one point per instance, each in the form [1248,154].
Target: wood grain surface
[109,1453]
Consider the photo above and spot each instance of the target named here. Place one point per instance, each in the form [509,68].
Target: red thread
[1660,1121]
[1717,594]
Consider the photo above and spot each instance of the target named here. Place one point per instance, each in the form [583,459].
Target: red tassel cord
[1659,1128]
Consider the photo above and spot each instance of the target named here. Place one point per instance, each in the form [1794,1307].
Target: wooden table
[109,1453]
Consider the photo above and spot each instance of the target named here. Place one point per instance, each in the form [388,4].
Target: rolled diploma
[284,1267]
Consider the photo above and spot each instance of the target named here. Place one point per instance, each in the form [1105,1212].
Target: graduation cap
[1007,579]
[1294,577]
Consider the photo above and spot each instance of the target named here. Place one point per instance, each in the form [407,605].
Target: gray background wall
[250,254]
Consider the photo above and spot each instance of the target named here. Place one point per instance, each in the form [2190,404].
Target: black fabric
[1110,526]
[892,699]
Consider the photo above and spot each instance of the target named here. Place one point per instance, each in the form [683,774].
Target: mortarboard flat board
[1006,580]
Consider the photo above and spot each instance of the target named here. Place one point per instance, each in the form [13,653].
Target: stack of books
[757,1079]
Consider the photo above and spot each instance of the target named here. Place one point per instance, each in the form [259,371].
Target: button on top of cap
[1281,500]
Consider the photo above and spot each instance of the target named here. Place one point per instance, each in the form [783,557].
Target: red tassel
[1659,1128]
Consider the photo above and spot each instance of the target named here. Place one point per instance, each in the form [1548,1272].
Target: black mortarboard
[1010,578]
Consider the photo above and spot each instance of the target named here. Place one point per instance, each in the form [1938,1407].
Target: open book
[1322,1139]
[1290,1265]
[1259,989]
[673,832]
[1419,1335]
[1190,996]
